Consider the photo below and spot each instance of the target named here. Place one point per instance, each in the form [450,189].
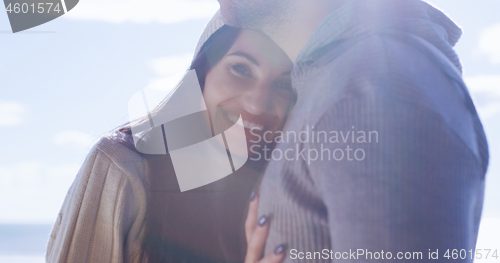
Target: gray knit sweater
[384,151]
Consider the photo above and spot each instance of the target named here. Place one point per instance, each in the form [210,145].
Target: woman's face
[254,79]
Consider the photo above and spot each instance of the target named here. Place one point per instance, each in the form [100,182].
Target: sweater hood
[359,17]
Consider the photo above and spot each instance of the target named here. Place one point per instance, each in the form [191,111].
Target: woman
[125,206]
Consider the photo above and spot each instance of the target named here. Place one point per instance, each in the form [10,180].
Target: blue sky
[67,82]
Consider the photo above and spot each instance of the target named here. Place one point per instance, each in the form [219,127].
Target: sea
[23,243]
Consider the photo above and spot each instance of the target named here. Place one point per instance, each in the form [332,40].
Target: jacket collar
[358,17]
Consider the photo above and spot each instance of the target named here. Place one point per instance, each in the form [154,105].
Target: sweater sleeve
[103,214]
[402,181]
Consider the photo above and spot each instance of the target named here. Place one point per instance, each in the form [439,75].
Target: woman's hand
[256,233]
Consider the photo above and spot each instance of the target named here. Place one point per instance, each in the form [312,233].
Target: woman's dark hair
[158,248]
[211,52]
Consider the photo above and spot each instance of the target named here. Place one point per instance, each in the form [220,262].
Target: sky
[67,82]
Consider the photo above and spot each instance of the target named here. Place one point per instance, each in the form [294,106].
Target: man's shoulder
[376,54]
[391,76]
[389,68]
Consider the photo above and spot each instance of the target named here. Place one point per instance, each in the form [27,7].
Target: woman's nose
[257,100]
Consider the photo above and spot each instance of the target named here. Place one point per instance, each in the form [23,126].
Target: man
[390,159]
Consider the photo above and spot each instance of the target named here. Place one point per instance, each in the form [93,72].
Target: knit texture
[103,216]
[385,67]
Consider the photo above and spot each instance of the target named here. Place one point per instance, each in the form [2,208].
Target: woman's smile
[246,124]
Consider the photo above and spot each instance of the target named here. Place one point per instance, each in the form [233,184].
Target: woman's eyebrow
[286,73]
[245,55]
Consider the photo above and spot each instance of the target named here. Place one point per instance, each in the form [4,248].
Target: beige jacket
[103,216]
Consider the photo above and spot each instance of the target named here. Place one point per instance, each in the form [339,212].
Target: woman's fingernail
[252,196]
[262,220]
[279,250]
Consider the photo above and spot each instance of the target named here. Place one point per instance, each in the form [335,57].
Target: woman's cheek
[225,88]
[215,94]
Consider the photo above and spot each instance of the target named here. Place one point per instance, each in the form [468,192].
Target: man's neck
[294,33]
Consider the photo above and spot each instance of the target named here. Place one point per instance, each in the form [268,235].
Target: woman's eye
[241,70]
[284,86]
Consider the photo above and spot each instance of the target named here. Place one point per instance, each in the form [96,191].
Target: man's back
[383,150]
